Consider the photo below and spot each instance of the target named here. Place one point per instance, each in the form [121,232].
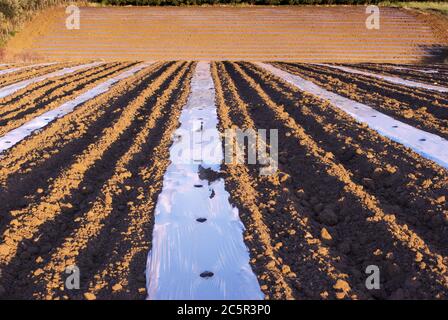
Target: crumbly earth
[82,191]
[296,33]
[344,198]
[424,109]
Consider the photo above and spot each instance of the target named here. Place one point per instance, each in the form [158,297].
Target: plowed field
[286,33]
[82,190]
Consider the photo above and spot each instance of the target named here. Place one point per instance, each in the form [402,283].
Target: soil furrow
[127,267]
[29,165]
[16,101]
[68,184]
[91,222]
[429,114]
[351,215]
[95,113]
[288,229]
[244,195]
[50,84]
[31,73]
[57,227]
[386,169]
[410,73]
[403,92]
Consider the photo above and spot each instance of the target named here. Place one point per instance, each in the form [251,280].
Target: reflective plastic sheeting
[396,80]
[426,144]
[16,135]
[198,250]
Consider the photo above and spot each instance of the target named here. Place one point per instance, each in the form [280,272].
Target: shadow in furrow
[21,186]
[356,240]
[112,249]
[43,101]
[310,279]
[51,234]
[397,192]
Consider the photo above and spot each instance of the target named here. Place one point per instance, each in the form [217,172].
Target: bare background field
[36,30]
[300,33]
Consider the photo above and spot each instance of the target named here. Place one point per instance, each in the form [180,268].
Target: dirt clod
[117,287]
[328,217]
[325,235]
[89,296]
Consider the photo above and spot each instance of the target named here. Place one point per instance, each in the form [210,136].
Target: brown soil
[26,104]
[437,21]
[419,73]
[83,189]
[301,33]
[44,22]
[28,73]
[424,109]
[344,198]
[99,192]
